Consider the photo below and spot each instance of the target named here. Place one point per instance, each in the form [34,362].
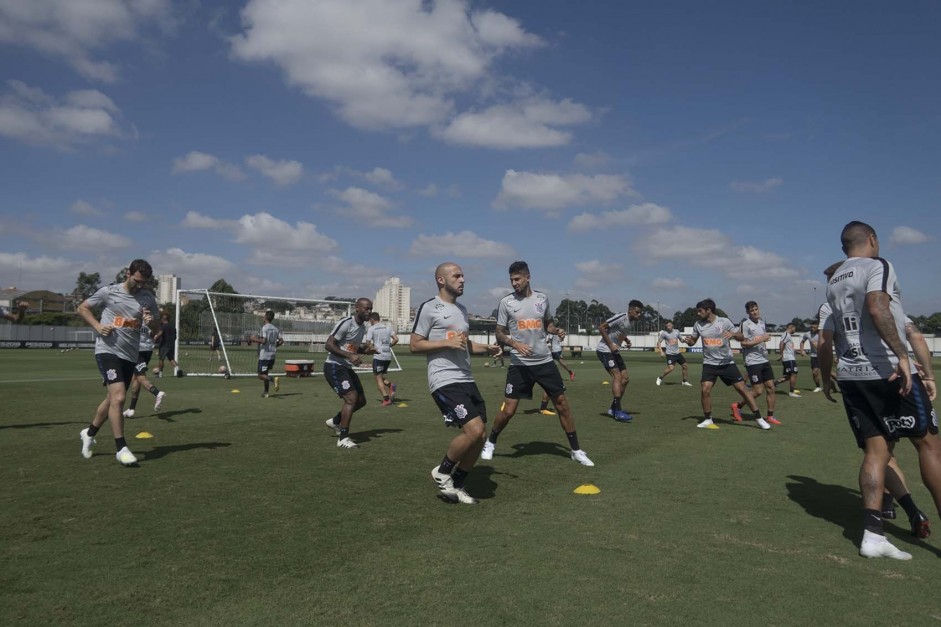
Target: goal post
[304,323]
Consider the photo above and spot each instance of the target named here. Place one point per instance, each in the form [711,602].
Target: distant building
[167,285]
[393,302]
[40,301]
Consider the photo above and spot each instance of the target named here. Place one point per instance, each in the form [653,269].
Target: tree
[571,315]
[223,304]
[597,313]
[85,286]
[278,306]
[798,324]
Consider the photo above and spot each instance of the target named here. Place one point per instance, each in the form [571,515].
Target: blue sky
[660,151]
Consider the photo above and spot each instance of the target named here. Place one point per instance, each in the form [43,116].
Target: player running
[670,340]
[757,366]
[613,333]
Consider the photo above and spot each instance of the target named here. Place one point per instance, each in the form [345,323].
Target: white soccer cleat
[659,380]
[159,400]
[128,413]
[461,495]
[346,443]
[707,424]
[443,481]
[582,458]
[687,384]
[332,425]
[763,423]
[874,545]
[126,457]
[87,442]
[794,394]
[487,452]
[818,389]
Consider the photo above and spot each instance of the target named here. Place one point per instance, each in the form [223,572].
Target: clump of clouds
[283,173]
[553,192]
[906,236]
[465,244]
[196,161]
[646,214]
[757,187]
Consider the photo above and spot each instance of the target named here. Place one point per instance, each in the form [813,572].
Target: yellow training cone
[402,405]
[587,488]
[144,435]
[236,392]
[605,383]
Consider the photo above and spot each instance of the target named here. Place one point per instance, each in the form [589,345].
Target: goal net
[304,323]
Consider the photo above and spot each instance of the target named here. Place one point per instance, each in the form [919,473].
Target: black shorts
[729,374]
[380,366]
[557,356]
[875,409]
[460,403]
[814,364]
[790,367]
[520,380]
[265,365]
[167,352]
[676,359]
[342,379]
[611,361]
[113,369]
[143,358]
[759,373]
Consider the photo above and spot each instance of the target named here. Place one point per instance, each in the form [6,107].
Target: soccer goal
[305,325]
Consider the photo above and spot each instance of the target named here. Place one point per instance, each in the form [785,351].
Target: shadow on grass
[168,415]
[32,425]
[538,448]
[480,482]
[163,451]
[368,436]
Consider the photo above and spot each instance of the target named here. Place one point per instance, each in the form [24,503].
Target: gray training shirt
[349,335]
[125,312]
[269,348]
[716,350]
[438,320]
[757,354]
[618,327]
[672,339]
[526,319]
[381,337]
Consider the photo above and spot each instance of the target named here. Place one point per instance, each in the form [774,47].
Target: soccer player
[884,400]
[757,366]
[381,338]
[17,315]
[613,333]
[268,342]
[166,339]
[789,361]
[718,362]
[345,345]
[440,333]
[214,344]
[523,320]
[670,338]
[812,337]
[125,307]
[555,349]
[140,374]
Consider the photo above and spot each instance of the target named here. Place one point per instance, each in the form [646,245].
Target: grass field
[243,511]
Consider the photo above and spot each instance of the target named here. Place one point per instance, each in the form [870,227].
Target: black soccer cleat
[921,526]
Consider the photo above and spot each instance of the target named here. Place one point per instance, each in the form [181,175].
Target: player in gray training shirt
[125,307]
[717,360]
[440,333]
[345,345]
[614,332]
[757,366]
[523,320]
[268,342]
[812,337]
[883,399]
[140,374]
[670,338]
[789,360]
[381,338]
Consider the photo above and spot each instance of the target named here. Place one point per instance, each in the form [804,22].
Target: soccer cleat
[277,384]
[773,420]
[443,481]
[874,545]
[687,384]
[547,412]
[386,402]
[487,451]
[572,376]
[794,394]
[128,413]
[611,412]
[707,424]
[582,458]
[460,495]
[392,390]
[346,443]
[332,425]
[157,401]
[87,442]
[761,423]
[622,416]
[736,414]
[264,395]
[126,457]
[159,374]
[921,526]
[818,389]
[659,380]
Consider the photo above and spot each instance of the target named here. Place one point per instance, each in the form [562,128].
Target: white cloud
[198,269]
[266,232]
[81,237]
[368,208]
[527,124]
[594,273]
[530,190]
[29,115]
[465,244]
[662,283]
[196,161]
[429,191]
[195,220]
[648,214]
[135,216]
[283,173]
[72,30]
[757,187]
[906,235]
[383,178]
[57,273]
[84,208]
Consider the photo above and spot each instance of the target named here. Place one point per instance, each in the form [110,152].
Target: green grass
[243,511]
